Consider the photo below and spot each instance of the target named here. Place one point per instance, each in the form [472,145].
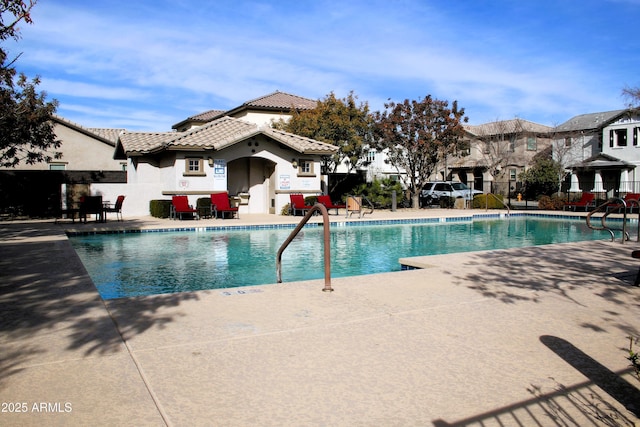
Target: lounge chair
[298,204]
[180,206]
[326,201]
[116,208]
[587,200]
[630,199]
[220,205]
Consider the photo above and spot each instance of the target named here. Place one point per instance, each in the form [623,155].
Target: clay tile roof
[507,127]
[216,135]
[109,136]
[206,116]
[107,133]
[144,142]
[282,100]
[299,143]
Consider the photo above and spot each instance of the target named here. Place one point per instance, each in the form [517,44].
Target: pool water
[131,264]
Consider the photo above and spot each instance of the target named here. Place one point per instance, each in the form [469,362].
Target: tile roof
[109,136]
[216,135]
[107,133]
[507,127]
[282,100]
[589,121]
[277,101]
[206,116]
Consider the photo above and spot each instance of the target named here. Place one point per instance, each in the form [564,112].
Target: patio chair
[326,201]
[587,200]
[220,205]
[91,205]
[631,200]
[180,206]
[298,204]
[116,208]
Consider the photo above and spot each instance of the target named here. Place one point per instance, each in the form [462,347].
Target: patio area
[531,336]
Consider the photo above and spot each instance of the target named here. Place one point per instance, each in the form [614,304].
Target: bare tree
[498,145]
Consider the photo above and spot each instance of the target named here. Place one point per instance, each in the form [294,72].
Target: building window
[618,138]
[567,141]
[532,143]
[57,166]
[193,166]
[305,167]
[371,156]
[123,166]
[636,136]
[512,174]
[512,145]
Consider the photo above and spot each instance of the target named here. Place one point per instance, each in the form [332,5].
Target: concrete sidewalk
[534,336]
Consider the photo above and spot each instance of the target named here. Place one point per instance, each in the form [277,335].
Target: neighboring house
[259,165]
[86,161]
[262,111]
[498,152]
[599,150]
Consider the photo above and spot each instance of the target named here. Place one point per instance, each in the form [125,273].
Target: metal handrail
[327,245]
[358,202]
[486,203]
[619,204]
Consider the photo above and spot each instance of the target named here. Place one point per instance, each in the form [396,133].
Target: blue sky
[148,64]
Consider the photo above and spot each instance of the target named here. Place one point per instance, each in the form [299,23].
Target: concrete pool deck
[533,336]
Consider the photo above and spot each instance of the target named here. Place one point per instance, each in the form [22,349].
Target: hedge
[160,208]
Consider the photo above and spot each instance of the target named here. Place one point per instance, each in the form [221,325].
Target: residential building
[86,163]
[600,152]
[258,165]
[496,154]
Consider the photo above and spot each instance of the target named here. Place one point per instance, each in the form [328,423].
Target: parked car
[432,191]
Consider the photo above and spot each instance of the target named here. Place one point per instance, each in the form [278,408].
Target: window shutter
[611,138]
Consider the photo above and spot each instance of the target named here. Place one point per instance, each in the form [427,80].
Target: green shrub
[160,208]
[379,192]
[484,201]
[286,210]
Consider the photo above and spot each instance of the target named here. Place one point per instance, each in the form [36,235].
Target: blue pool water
[130,264]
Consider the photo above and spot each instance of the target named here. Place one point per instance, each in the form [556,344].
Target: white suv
[432,191]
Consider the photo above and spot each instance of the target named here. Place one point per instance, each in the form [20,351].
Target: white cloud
[188,58]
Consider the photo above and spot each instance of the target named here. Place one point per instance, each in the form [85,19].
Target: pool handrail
[486,203]
[357,200]
[620,203]
[327,246]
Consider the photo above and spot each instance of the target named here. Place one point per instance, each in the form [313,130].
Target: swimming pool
[131,264]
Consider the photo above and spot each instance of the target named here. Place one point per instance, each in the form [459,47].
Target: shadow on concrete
[551,269]
[610,382]
[49,304]
[580,404]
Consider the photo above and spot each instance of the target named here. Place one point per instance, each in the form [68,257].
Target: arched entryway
[252,179]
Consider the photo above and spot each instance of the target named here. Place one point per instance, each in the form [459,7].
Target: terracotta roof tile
[282,100]
[206,116]
[144,142]
[507,127]
[109,136]
[107,133]
[299,143]
[216,135]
